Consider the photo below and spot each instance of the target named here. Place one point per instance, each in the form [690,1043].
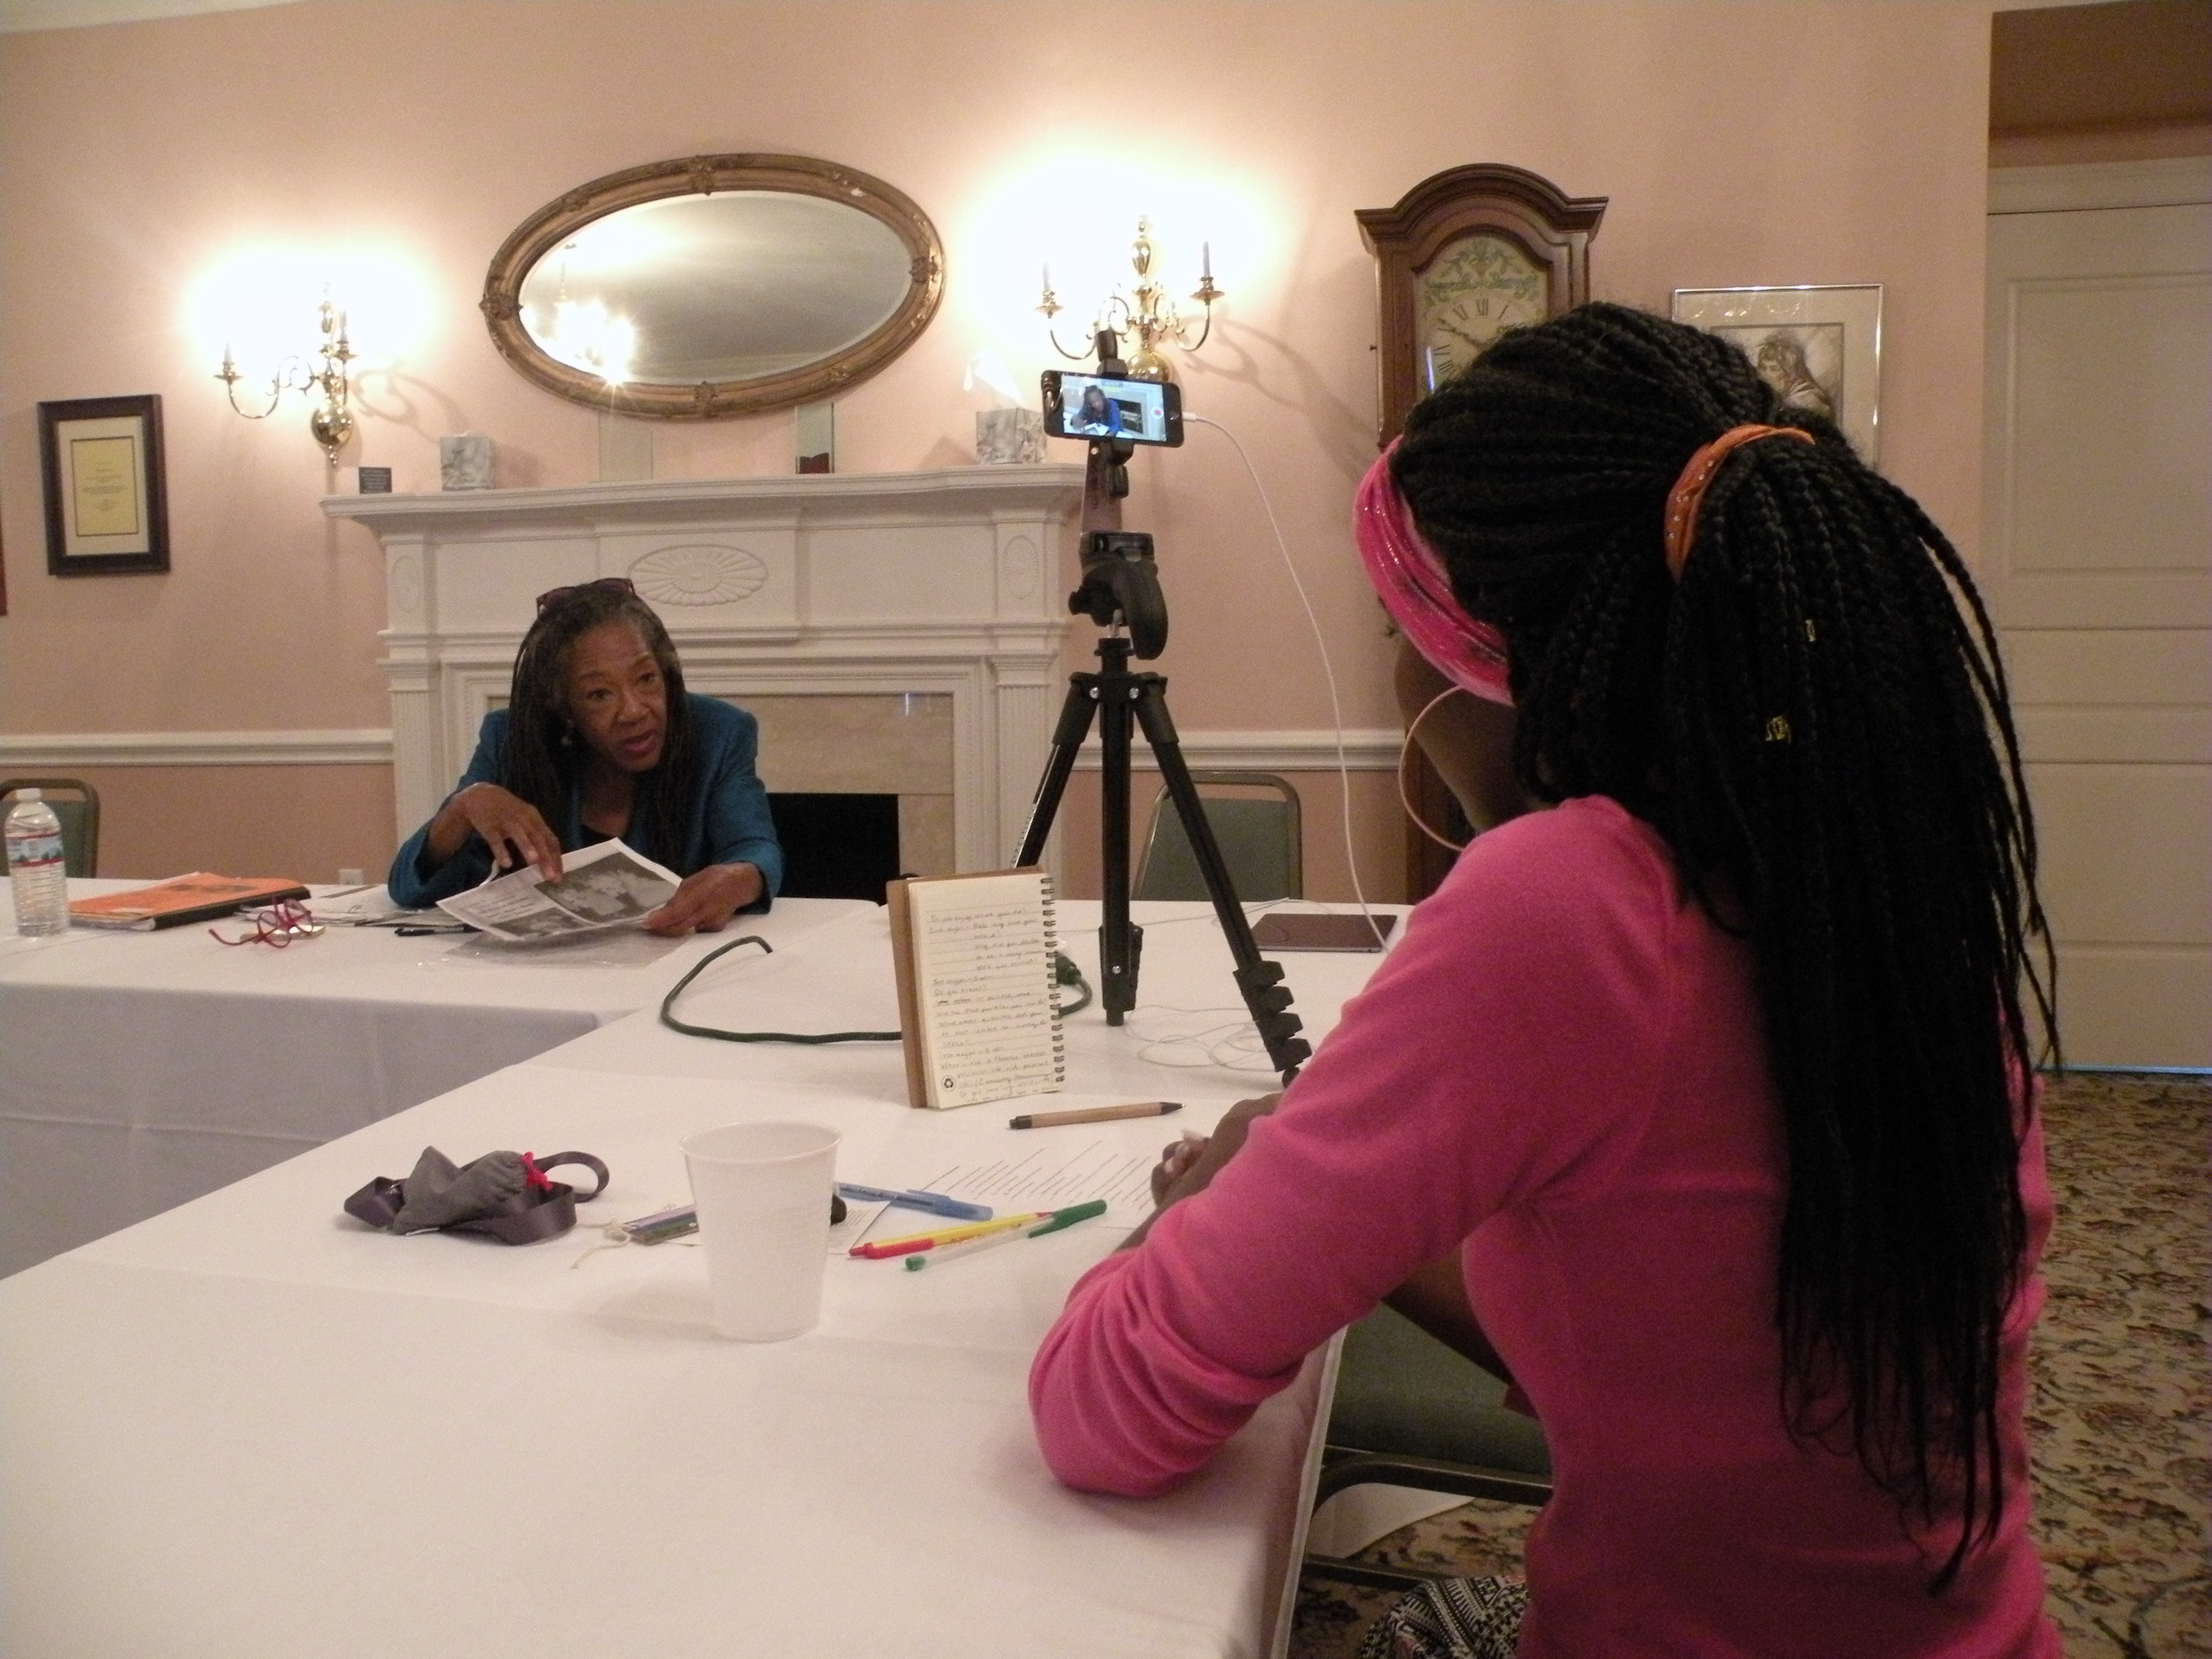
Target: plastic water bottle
[34,867]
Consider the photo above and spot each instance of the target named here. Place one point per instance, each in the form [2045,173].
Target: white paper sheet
[607,886]
[860,1214]
[1014,1171]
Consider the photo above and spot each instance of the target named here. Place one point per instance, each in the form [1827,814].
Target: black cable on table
[1065,972]
[721,951]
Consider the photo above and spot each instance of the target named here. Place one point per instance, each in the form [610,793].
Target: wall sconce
[331,422]
[1145,311]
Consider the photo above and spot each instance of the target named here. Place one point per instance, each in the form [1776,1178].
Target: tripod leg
[1121,942]
[1075,713]
[1260,981]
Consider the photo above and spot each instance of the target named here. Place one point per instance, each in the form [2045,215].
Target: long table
[249,1427]
[138,1070]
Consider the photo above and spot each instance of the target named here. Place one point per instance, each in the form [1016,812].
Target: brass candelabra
[1145,312]
[332,421]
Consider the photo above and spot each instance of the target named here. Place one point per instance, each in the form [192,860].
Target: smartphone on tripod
[1112,406]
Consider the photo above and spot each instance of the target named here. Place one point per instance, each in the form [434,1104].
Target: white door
[2098,531]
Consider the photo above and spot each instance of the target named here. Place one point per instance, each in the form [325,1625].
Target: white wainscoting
[1365,751]
[1372,750]
[22,751]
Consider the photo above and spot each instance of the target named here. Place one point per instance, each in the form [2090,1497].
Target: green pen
[966,1247]
[1069,1217]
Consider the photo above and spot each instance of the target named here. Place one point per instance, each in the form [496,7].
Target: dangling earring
[1404,749]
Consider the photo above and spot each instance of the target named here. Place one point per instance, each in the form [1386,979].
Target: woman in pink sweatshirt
[1693,1102]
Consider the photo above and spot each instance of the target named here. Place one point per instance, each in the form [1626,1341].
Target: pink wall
[1740,141]
[305,822]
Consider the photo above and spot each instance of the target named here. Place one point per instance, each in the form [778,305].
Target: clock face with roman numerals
[1475,286]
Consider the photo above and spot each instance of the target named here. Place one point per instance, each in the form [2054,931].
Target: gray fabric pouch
[504,1195]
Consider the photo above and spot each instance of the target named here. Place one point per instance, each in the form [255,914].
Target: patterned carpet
[2118,1421]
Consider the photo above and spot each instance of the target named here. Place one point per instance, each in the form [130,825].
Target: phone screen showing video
[1101,406]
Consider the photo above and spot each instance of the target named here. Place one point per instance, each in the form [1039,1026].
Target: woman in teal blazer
[600,739]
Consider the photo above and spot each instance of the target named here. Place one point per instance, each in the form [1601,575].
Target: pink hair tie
[1409,579]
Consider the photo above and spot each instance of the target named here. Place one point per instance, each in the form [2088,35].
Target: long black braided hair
[1816,718]
[543,753]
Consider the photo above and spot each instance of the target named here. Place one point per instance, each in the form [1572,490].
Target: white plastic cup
[763,1191]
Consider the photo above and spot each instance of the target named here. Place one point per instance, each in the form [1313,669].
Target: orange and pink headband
[1410,579]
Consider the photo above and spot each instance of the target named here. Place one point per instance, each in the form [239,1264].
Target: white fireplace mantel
[944,582]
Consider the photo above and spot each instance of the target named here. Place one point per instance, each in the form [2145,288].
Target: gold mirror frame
[705,175]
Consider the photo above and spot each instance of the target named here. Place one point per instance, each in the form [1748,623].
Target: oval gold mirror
[719,285]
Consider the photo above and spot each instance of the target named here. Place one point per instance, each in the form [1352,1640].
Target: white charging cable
[1327,668]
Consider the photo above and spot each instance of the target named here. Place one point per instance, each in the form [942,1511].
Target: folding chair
[1410,1412]
[1260,841]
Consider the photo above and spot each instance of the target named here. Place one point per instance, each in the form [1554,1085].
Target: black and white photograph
[1819,347]
[604,885]
[1804,365]
[618,888]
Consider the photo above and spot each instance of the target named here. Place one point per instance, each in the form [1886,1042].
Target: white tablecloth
[250,1427]
[1188,1037]
[140,1070]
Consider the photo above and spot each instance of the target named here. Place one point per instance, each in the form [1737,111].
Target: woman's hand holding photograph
[516,831]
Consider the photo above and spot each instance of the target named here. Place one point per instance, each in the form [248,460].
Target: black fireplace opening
[836,845]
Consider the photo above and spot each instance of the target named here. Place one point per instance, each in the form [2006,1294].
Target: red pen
[883,1252]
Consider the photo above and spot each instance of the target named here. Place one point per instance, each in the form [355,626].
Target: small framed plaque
[106,496]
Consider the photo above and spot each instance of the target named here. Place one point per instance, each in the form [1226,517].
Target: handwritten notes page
[975,986]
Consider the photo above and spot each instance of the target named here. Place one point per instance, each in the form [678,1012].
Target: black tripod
[1121,587]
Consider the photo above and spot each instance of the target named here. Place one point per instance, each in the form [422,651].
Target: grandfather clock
[1464,254]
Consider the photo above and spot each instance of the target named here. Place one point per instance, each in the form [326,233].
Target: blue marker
[934,1203]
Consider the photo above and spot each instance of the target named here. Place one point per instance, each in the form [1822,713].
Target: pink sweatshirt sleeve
[1484,1064]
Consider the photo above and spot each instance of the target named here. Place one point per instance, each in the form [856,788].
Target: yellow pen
[908,1244]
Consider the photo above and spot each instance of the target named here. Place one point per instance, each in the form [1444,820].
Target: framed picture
[106,500]
[1820,348]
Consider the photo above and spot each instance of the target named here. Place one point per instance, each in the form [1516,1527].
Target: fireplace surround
[937,591]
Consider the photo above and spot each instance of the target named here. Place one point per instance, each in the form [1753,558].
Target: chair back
[1400,1392]
[1260,839]
[76,803]
[1410,1412]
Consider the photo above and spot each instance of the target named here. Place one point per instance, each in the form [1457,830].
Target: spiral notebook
[977,1003]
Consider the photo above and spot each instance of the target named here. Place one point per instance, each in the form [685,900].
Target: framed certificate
[106,501]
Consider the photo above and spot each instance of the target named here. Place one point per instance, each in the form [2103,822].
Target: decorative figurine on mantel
[1009,436]
[1009,432]
[464,462]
